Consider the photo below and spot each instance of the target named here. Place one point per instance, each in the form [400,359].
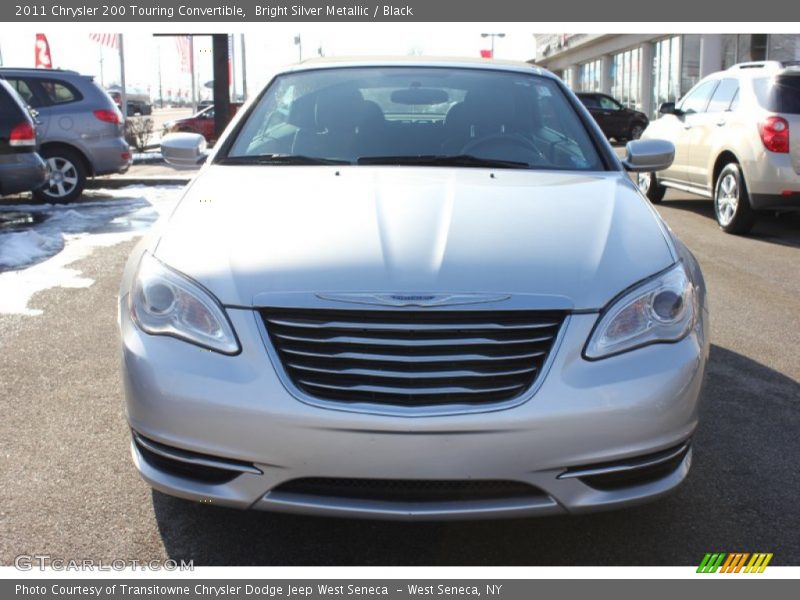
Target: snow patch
[38,257]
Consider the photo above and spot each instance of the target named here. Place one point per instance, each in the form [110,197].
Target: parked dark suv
[80,129]
[615,119]
[21,168]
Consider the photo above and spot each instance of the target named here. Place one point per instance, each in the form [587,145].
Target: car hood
[566,240]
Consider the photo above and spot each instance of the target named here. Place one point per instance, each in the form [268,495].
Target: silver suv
[733,143]
[80,129]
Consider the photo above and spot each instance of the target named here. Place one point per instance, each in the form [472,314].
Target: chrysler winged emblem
[415,299]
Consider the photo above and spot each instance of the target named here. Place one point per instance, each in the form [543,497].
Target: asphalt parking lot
[70,490]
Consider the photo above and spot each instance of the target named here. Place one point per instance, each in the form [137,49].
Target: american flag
[105,39]
[184,43]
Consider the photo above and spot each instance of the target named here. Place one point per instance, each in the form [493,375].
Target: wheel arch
[87,164]
[723,158]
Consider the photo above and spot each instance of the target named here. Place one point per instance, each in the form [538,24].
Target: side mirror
[184,150]
[667,108]
[648,155]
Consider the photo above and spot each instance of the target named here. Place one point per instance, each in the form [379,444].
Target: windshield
[415,115]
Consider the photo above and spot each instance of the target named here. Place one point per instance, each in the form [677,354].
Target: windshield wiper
[443,160]
[281,159]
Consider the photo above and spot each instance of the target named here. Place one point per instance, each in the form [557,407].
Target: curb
[120,182]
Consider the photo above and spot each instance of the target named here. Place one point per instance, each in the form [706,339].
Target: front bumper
[583,414]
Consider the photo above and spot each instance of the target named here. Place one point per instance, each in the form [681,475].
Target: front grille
[409,490]
[412,357]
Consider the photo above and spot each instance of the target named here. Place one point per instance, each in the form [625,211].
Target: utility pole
[492,36]
[299,43]
[124,91]
[160,86]
[244,70]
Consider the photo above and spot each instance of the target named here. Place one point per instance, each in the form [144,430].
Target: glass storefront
[666,70]
[690,61]
[590,74]
[566,76]
[759,46]
[625,77]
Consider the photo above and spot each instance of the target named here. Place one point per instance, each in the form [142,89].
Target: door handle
[687,127]
[721,123]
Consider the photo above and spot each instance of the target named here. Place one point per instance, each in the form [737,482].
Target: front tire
[649,186]
[637,129]
[732,202]
[66,176]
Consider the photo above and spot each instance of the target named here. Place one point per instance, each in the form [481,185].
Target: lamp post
[492,36]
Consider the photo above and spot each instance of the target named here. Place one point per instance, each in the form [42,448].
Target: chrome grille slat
[366,326]
[388,373]
[411,357]
[384,389]
[376,356]
[367,341]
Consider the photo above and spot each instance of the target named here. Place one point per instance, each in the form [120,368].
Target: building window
[590,76]
[625,77]
[566,76]
[782,46]
[690,62]
[752,46]
[666,70]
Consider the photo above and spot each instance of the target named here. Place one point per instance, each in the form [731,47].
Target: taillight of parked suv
[109,116]
[22,135]
[774,132]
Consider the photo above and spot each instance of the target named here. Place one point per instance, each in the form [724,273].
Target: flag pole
[124,91]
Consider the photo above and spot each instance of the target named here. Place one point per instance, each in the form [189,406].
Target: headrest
[339,108]
[490,105]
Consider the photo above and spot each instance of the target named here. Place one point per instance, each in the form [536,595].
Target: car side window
[697,100]
[608,104]
[724,95]
[590,102]
[57,92]
[735,101]
[24,91]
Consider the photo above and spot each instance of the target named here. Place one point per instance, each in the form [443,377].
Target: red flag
[486,54]
[105,39]
[184,52]
[43,58]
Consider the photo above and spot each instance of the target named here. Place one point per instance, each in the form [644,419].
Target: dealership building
[642,71]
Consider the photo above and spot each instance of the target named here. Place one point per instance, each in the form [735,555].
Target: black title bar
[249,11]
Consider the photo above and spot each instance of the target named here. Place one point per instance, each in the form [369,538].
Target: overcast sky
[268,45]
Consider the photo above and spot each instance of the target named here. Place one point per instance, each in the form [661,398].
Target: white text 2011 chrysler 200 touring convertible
[413,289]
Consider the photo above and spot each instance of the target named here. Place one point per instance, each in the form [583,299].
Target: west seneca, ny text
[264,590]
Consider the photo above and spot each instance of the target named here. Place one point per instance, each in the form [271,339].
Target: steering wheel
[498,139]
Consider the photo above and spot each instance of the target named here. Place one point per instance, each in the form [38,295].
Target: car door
[592,104]
[58,106]
[615,116]
[687,115]
[707,127]
[32,97]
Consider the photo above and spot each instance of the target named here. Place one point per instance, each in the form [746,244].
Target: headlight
[662,309]
[164,302]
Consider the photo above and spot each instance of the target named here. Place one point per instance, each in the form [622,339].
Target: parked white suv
[733,142]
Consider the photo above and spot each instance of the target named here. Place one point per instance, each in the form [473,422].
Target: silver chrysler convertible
[413,289]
